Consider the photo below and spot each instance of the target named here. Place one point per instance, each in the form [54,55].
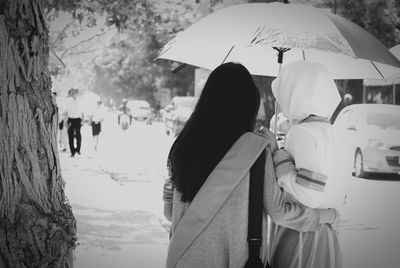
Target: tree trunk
[37,228]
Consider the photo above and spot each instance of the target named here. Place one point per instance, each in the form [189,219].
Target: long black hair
[226,109]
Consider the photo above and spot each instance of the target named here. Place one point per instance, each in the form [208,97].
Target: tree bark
[37,227]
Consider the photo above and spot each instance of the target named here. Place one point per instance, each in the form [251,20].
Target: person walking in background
[207,194]
[62,123]
[57,102]
[306,166]
[283,126]
[96,119]
[75,118]
[347,99]
[124,115]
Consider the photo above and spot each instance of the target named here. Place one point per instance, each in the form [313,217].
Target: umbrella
[393,79]
[390,81]
[254,34]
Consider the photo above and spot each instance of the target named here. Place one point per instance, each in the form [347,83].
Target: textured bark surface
[37,228]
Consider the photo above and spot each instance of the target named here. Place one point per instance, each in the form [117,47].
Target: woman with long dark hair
[209,165]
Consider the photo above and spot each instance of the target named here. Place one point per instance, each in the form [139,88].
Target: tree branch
[62,32]
[80,43]
[88,51]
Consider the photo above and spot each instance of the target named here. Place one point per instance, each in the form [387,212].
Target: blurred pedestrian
[347,99]
[124,115]
[62,124]
[283,124]
[207,194]
[305,168]
[157,111]
[96,119]
[75,118]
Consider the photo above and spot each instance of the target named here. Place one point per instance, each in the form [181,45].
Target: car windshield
[384,120]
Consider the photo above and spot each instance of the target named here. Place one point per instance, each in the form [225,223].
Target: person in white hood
[305,168]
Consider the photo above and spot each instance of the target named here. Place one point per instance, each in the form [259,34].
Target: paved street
[370,228]
[116,193]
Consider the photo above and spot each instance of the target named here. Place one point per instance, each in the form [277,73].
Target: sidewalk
[116,198]
[118,225]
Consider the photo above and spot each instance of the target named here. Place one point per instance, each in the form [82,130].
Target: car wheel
[359,165]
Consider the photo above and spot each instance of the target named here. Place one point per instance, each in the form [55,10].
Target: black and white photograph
[199,133]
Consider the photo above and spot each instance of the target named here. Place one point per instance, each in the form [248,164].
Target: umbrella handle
[276,102]
[276,117]
[281,51]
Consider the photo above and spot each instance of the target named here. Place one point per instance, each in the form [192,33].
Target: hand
[269,135]
[335,224]
[274,144]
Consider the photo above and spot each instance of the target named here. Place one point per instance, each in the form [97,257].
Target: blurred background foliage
[108,46]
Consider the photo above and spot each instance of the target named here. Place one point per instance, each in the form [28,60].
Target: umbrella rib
[230,50]
[377,69]
[163,52]
[179,68]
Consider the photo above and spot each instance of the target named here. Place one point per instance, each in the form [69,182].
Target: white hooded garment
[305,90]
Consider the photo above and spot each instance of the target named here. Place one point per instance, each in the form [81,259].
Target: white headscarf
[305,88]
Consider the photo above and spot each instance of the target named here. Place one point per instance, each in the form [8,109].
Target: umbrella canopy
[248,33]
[393,79]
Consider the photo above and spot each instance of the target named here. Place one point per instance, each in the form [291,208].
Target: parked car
[177,112]
[140,109]
[368,138]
